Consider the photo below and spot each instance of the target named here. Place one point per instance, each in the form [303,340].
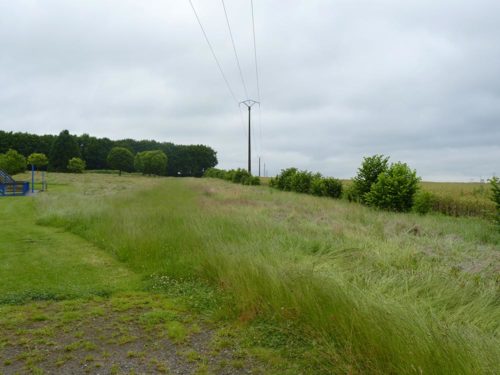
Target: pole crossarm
[249,103]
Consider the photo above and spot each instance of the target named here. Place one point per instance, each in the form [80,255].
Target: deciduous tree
[63,150]
[39,160]
[121,159]
[12,162]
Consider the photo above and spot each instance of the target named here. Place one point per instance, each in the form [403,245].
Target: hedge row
[306,182]
[238,176]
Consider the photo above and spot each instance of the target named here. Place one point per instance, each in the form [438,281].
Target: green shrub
[244,180]
[395,189]
[332,187]
[229,175]
[12,162]
[423,203]
[368,174]
[215,173]
[301,182]
[254,180]
[351,194]
[291,179]
[240,175]
[317,185]
[326,187]
[76,165]
[284,179]
[495,196]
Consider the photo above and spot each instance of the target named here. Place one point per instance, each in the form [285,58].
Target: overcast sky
[416,80]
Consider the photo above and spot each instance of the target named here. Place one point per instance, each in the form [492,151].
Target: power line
[213,52]
[234,49]
[257,76]
[255,52]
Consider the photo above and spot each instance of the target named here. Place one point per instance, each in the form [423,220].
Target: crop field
[132,274]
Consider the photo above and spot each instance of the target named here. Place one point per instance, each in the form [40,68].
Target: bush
[495,196]
[395,189]
[229,175]
[239,176]
[76,165]
[326,187]
[351,194]
[332,187]
[253,180]
[12,162]
[272,182]
[423,202]
[368,174]
[291,179]
[300,182]
[317,185]
[283,181]
[215,173]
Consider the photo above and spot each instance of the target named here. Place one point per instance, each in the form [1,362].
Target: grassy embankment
[334,286]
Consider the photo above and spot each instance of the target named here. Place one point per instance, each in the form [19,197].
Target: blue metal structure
[10,187]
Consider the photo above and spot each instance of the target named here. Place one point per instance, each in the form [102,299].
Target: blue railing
[14,188]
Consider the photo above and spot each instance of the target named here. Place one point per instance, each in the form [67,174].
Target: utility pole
[249,103]
[259,166]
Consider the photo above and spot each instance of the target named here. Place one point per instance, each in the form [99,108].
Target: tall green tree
[151,162]
[121,159]
[39,160]
[368,174]
[95,151]
[12,162]
[63,150]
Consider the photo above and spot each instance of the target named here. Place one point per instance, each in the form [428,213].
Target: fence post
[32,178]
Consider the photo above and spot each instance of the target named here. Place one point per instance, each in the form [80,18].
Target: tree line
[183,160]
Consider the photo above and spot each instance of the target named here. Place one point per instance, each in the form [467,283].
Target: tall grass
[461,199]
[366,292]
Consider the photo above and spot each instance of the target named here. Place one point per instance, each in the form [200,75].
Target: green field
[291,283]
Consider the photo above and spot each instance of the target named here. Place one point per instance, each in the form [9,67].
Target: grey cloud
[418,80]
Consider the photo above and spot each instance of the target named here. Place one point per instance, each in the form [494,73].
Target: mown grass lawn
[39,262]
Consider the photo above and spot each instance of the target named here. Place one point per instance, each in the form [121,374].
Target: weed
[176,331]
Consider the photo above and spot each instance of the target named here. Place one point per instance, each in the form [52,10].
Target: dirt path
[133,333]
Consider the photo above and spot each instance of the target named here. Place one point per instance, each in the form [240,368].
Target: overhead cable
[234,49]
[213,52]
